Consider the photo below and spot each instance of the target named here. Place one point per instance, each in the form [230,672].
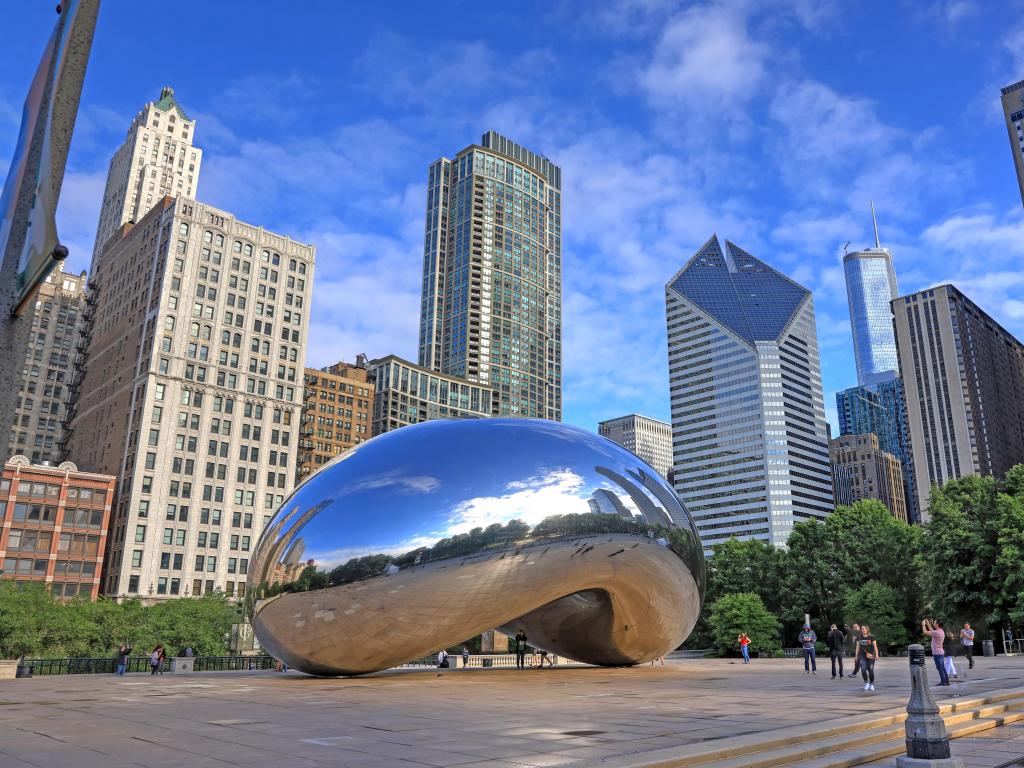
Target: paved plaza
[494,717]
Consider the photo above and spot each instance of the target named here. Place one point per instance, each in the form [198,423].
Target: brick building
[337,403]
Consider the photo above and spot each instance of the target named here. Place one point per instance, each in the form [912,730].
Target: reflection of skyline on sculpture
[511,505]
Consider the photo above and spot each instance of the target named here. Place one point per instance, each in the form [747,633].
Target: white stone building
[648,438]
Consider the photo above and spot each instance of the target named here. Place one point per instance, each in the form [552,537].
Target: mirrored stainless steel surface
[434,533]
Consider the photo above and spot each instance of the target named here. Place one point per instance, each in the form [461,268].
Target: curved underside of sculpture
[543,528]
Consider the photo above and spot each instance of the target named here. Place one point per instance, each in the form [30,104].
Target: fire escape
[78,370]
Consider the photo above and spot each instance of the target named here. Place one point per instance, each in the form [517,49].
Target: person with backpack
[520,644]
[836,642]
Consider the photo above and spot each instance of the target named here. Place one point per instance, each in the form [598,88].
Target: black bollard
[927,740]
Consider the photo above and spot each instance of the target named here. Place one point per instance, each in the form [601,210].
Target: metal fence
[141,664]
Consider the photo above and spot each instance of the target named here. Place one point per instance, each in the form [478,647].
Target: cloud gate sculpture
[434,533]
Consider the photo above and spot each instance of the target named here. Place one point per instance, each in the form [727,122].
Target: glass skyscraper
[870,287]
[491,309]
[881,408]
[749,436]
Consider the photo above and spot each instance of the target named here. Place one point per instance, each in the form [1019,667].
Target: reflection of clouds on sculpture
[328,559]
[430,534]
[527,500]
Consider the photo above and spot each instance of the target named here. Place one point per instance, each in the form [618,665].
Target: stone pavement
[988,749]
[469,718]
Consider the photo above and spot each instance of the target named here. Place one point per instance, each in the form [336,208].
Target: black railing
[141,664]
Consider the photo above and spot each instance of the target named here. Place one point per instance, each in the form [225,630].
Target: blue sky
[771,123]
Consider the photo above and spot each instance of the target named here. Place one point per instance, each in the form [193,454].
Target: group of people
[858,642]
[157,658]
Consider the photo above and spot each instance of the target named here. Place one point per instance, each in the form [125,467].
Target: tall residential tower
[964,380]
[748,418]
[491,310]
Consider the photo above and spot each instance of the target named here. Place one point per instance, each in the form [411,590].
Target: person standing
[162,661]
[807,640]
[123,653]
[465,657]
[442,659]
[154,659]
[744,642]
[854,641]
[520,644]
[836,642]
[967,641]
[867,653]
[934,630]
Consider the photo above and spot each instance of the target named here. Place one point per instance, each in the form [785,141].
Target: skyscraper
[964,380]
[748,418]
[192,394]
[870,286]
[648,438]
[157,159]
[881,409]
[45,397]
[491,310]
[1013,112]
[874,473]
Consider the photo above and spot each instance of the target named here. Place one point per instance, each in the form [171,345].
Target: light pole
[927,740]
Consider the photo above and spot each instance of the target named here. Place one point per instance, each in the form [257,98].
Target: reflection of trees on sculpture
[495,537]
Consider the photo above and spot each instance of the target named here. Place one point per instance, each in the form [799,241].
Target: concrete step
[869,753]
[835,743]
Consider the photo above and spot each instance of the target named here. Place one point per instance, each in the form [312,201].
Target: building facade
[1013,113]
[156,160]
[874,473]
[54,526]
[964,380]
[842,485]
[748,419]
[192,394]
[407,394]
[870,287]
[648,438]
[881,409]
[45,393]
[337,413]
[491,309]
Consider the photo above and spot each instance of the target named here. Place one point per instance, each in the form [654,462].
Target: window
[137,558]
[140,533]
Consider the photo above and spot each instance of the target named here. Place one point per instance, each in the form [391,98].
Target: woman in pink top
[933,628]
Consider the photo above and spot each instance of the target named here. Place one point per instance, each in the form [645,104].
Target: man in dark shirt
[854,641]
[520,643]
[835,640]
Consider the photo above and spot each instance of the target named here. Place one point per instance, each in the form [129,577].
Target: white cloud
[557,491]
[704,58]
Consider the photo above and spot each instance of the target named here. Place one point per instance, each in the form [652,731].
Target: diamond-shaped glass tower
[750,443]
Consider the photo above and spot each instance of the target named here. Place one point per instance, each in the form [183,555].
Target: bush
[742,612]
[33,623]
[878,606]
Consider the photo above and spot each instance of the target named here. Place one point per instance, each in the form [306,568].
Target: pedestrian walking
[123,654]
[654,660]
[156,660]
[933,628]
[520,645]
[807,640]
[836,642]
[947,650]
[867,653]
[967,642]
[744,642]
[442,659]
[162,660]
[465,656]
[544,657]
[853,640]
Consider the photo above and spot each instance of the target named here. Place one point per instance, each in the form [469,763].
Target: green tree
[812,579]
[742,612]
[877,605]
[747,566]
[27,613]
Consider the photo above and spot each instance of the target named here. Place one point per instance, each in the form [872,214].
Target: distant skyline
[772,124]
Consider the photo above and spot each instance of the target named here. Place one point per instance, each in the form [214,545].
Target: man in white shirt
[967,641]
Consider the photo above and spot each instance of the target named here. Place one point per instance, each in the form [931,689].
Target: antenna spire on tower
[874,223]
